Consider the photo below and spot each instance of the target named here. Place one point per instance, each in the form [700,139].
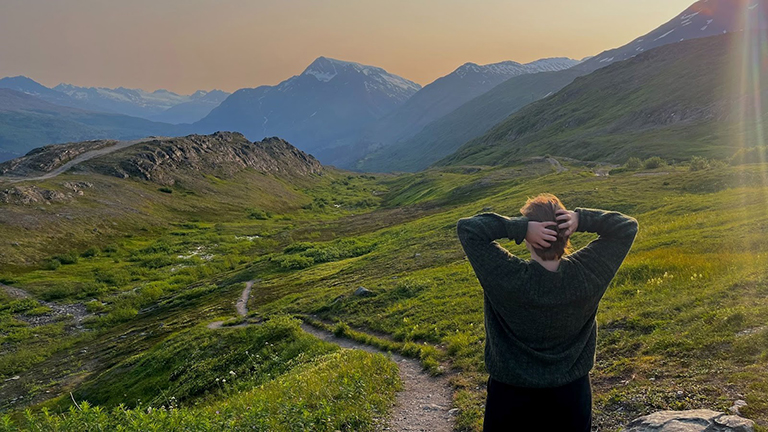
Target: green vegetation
[675,102]
[683,325]
[334,393]
[196,362]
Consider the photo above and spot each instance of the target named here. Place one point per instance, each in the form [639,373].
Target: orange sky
[185,45]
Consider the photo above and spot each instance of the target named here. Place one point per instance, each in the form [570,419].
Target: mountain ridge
[438,99]
[674,101]
[326,106]
[442,137]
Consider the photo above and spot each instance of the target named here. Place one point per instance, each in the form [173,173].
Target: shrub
[90,252]
[748,155]
[698,163]
[51,264]
[293,262]
[633,163]
[68,258]
[654,162]
[114,277]
[341,329]
[258,214]
[298,247]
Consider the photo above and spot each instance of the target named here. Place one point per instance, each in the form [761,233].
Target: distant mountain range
[329,105]
[438,99]
[28,121]
[160,105]
[445,135]
[349,114]
[675,101]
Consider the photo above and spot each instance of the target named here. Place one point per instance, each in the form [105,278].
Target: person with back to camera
[540,314]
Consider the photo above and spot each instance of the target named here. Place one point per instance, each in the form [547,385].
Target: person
[540,314]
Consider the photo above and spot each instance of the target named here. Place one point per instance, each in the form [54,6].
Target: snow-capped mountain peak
[702,19]
[511,68]
[325,69]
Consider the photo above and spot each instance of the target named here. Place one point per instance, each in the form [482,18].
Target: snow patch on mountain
[511,68]
[376,79]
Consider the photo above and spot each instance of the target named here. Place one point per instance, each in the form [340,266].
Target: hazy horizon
[184,46]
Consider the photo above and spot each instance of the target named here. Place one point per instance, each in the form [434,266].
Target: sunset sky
[185,45]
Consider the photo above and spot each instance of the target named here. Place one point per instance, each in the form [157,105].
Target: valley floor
[684,324]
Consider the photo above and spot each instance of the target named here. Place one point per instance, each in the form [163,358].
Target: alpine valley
[285,257]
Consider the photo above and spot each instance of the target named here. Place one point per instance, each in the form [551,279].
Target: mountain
[445,135]
[200,105]
[140,103]
[27,122]
[675,102]
[330,104]
[160,105]
[440,98]
[33,88]
[702,19]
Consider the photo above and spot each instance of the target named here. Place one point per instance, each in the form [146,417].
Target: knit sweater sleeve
[491,262]
[616,231]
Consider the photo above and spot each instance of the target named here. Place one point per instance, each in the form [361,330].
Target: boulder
[363,292]
[701,420]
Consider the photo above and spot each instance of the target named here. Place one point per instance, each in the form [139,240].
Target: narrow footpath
[425,402]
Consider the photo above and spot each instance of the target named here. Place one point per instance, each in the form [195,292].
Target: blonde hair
[543,208]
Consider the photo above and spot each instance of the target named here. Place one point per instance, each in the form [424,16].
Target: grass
[682,326]
[334,393]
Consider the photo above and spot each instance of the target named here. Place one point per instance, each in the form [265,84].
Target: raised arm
[478,236]
[616,233]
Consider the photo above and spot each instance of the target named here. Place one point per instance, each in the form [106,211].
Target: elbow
[463,229]
[461,226]
[632,227]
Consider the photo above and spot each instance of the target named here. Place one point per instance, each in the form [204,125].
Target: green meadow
[684,324]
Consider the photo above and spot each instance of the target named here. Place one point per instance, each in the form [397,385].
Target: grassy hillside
[682,326]
[677,101]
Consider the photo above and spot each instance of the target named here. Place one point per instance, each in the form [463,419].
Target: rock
[363,292]
[737,406]
[701,420]
[453,411]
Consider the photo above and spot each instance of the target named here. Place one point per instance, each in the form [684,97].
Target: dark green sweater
[540,325]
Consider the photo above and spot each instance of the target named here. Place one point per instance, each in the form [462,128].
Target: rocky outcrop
[222,154]
[702,420]
[28,195]
[45,159]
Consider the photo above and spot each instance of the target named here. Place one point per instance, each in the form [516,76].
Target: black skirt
[560,409]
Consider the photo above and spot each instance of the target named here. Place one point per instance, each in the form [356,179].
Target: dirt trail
[241,307]
[557,165]
[80,159]
[425,402]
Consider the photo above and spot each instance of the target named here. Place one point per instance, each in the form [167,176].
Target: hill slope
[27,122]
[328,105]
[675,101]
[444,136]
